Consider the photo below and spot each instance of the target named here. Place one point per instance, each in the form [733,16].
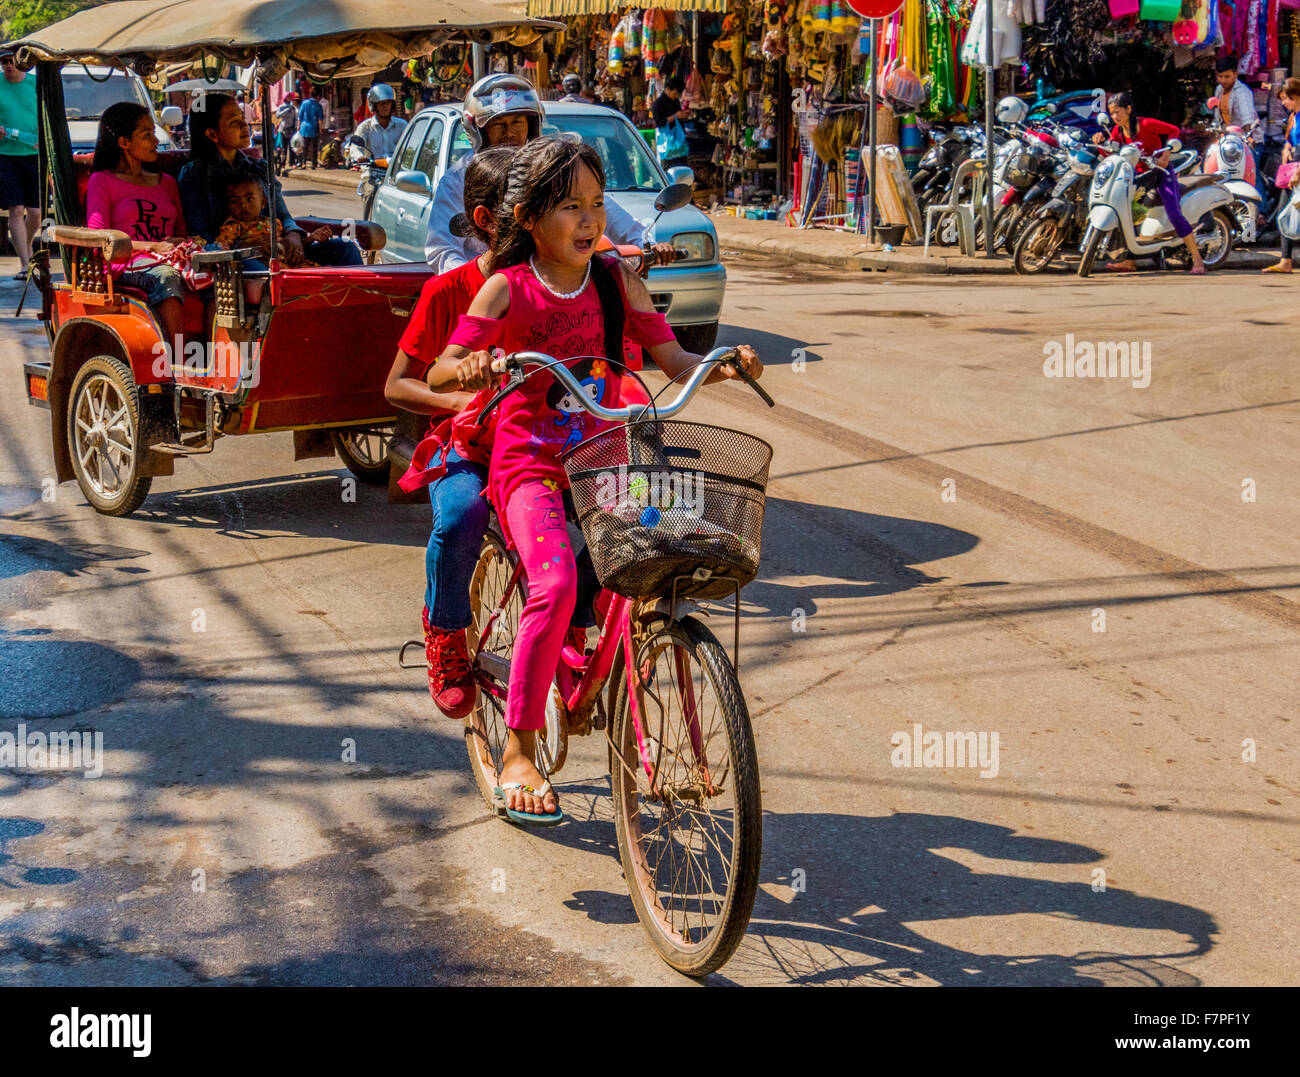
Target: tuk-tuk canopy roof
[326,37]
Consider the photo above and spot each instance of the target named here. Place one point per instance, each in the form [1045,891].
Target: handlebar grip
[499,365]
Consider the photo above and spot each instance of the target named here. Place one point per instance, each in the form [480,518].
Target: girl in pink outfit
[123,193]
[546,296]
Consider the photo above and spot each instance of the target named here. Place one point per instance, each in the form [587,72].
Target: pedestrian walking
[19,189]
[1288,175]
[311,118]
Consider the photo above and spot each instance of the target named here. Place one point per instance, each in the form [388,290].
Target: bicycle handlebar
[516,364]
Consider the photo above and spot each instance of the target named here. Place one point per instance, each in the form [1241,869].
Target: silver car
[689,292]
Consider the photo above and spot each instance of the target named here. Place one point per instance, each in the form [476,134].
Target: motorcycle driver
[503,110]
[381,131]
[572,86]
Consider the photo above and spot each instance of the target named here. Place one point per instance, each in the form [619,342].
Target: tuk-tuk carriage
[303,349]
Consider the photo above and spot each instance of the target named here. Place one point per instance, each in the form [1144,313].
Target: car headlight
[699,244]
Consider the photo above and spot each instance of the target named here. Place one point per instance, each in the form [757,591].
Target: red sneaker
[451,679]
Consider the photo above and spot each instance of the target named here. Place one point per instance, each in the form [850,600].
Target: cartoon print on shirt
[572,419]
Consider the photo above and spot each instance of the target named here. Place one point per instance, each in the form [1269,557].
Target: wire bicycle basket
[658,500]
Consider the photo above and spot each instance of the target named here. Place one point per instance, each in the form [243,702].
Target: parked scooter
[1205,203]
[1231,155]
[1060,221]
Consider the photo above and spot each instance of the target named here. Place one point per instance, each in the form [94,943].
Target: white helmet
[380,91]
[1011,110]
[500,95]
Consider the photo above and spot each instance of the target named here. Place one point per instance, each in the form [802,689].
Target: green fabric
[938,41]
[18,112]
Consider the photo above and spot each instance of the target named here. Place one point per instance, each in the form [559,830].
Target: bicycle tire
[708,661]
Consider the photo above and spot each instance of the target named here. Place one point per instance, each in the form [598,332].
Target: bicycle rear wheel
[687,807]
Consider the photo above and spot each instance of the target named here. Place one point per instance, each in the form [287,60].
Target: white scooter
[1205,201]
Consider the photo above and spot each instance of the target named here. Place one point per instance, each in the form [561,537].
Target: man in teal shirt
[19,189]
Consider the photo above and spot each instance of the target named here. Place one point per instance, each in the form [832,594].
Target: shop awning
[549,9]
[328,37]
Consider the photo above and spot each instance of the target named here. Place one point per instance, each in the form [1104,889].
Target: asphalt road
[952,539]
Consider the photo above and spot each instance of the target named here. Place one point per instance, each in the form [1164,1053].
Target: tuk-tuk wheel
[104,437]
[364,453]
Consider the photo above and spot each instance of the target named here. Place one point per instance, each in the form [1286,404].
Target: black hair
[675,83]
[485,184]
[205,119]
[541,176]
[119,121]
[1225,63]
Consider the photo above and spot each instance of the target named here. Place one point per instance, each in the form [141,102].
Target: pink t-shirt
[145,213]
[539,422]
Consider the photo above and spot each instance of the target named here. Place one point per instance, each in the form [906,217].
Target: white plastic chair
[964,211]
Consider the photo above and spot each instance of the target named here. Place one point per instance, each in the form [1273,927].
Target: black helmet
[572,83]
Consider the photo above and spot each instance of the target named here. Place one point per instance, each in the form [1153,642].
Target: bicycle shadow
[869,900]
[847,552]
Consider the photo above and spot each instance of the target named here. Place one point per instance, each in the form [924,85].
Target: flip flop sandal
[527,818]
[1120,267]
[1274,269]
[1198,271]
[20,275]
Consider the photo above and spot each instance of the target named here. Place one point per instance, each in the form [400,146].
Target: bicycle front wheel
[687,807]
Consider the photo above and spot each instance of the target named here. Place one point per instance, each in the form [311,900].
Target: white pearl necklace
[532,264]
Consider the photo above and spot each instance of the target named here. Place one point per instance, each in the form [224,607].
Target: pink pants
[535,520]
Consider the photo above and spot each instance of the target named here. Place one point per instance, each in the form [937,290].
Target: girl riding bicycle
[550,294]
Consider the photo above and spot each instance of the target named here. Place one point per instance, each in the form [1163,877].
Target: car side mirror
[672,197]
[681,174]
[171,116]
[413,182]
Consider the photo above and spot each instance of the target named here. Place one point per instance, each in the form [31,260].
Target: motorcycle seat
[1205,179]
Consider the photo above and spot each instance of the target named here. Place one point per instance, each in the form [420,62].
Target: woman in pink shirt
[125,195]
[546,296]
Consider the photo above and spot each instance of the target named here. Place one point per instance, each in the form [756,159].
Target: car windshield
[625,155]
[86,98]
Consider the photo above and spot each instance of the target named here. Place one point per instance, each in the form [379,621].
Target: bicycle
[672,515]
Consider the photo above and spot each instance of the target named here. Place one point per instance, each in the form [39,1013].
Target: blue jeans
[460,517]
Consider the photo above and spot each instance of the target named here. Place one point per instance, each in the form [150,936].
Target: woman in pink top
[124,195]
[546,297]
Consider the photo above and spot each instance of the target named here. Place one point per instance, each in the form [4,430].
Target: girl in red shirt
[456,472]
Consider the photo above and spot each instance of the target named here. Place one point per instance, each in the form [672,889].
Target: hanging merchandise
[617,40]
[654,41]
[942,85]
[902,85]
[632,33]
[1006,36]
[1161,10]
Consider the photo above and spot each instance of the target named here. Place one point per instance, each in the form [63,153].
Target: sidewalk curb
[799,246]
